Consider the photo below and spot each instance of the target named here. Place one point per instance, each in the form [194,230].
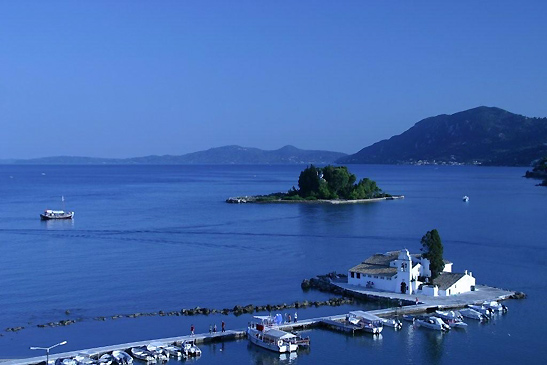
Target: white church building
[401,272]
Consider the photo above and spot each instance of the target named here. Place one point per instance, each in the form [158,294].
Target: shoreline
[254,200]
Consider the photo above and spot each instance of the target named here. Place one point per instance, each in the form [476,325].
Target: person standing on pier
[192,328]
[215,328]
[289,318]
[210,329]
[417,301]
[223,325]
[295,317]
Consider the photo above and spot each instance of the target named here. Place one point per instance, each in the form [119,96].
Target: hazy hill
[481,135]
[219,155]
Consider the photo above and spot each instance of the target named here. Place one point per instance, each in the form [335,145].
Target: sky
[135,78]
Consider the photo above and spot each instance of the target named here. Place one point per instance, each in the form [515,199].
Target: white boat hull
[276,347]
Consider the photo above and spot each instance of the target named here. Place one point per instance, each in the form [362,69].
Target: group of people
[289,319]
[212,328]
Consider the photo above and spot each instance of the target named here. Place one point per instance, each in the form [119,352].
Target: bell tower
[404,267]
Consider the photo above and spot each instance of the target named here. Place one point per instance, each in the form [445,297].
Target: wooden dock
[426,305]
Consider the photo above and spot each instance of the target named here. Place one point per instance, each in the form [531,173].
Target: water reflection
[58,224]
[265,357]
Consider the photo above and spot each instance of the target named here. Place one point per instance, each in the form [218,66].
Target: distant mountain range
[483,135]
[219,155]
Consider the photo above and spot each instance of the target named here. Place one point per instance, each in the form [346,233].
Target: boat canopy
[278,334]
[49,211]
[367,317]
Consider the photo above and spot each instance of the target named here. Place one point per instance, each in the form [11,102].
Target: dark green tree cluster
[432,248]
[332,182]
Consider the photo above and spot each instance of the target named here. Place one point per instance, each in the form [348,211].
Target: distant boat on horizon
[466,198]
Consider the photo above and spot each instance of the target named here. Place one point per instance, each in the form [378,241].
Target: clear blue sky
[135,78]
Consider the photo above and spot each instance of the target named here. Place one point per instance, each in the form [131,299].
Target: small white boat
[473,314]
[369,322]
[449,315]
[142,353]
[261,333]
[190,349]
[465,198]
[495,306]
[122,357]
[434,323]
[482,309]
[395,323]
[455,323]
[106,359]
[158,352]
[84,358]
[66,361]
[174,351]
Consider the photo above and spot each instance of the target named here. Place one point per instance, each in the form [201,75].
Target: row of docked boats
[445,320]
[151,353]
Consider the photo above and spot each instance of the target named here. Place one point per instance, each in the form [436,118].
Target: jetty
[425,304]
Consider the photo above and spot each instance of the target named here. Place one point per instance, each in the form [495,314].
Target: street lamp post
[47,349]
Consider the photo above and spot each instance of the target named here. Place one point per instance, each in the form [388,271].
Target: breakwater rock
[237,310]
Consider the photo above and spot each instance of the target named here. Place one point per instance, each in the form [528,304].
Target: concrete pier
[425,304]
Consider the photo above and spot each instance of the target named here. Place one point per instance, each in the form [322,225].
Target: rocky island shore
[329,184]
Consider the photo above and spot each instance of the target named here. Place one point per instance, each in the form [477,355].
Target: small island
[329,184]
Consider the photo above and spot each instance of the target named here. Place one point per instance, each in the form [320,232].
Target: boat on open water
[57,214]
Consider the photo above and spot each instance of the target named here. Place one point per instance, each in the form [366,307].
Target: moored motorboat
[449,315]
[142,353]
[122,357]
[190,349]
[369,322]
[391,322]
[106,359]
[261,333]
[473,314]
[495,306]
[482,309]
[434,323]
[174,351]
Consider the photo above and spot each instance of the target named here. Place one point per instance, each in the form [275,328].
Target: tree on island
[334,182]
[433,251]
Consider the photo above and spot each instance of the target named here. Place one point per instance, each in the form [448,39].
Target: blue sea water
[151,238]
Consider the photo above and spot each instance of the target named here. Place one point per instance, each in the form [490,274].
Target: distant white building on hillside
[401,272]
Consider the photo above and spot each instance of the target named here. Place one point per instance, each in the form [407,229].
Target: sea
[146,239]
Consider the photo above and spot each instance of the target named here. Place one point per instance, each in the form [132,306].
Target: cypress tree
[433,251]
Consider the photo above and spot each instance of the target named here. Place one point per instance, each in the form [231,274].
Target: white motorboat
[434,323]
[261,333]
[66,361]
[174,351]
[473,314]
[122,357]
[157,350]
[449,315]
[466,198]
[106,359]
[369,322]
[142,353]
[455,323]
[495,306]
[395,323]
[482,309]
[190,349]
[84,358]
